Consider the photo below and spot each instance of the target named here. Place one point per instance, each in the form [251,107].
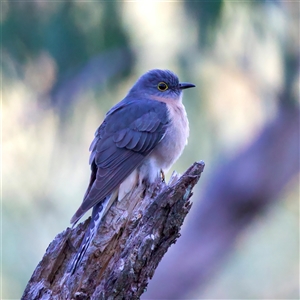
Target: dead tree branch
[130,242]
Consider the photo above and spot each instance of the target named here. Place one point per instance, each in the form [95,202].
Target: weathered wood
[129,244]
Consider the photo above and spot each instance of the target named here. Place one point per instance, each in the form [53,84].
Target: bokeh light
[64,64]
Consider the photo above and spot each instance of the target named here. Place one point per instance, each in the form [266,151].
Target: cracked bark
[130,242]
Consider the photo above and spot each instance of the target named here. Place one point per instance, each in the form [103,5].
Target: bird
[139,140]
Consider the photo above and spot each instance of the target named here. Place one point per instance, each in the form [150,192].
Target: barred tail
[98,212]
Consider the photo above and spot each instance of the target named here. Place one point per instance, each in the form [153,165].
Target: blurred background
[64,64]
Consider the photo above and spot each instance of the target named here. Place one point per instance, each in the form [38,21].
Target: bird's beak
[185,85]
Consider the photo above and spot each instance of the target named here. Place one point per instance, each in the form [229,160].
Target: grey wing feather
[128,134]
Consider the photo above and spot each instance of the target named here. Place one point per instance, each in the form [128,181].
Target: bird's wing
[128,134]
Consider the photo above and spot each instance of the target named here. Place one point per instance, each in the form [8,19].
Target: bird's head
[160,83]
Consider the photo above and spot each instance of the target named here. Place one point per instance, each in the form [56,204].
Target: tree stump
[129,244]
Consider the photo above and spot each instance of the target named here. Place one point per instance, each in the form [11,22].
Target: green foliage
[71,32]
[80,58]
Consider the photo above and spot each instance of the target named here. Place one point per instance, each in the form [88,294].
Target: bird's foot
[154,189]
[162,175]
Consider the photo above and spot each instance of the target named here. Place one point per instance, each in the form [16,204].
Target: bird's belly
[173,143]
[170,149]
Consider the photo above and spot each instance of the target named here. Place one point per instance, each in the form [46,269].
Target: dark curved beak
[185,85]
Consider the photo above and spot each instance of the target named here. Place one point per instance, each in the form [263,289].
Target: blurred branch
[128,246]
[288,96]
[206,15]
[237,192]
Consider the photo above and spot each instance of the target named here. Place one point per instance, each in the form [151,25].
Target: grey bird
[139,139]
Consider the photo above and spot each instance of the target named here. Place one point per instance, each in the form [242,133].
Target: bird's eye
[162,86]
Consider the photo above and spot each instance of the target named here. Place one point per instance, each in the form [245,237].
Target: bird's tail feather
[98,212]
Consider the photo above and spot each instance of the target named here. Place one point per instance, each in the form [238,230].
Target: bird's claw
[162,176]
[154,188]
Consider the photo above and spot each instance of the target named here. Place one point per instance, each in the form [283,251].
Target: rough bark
[129,244]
